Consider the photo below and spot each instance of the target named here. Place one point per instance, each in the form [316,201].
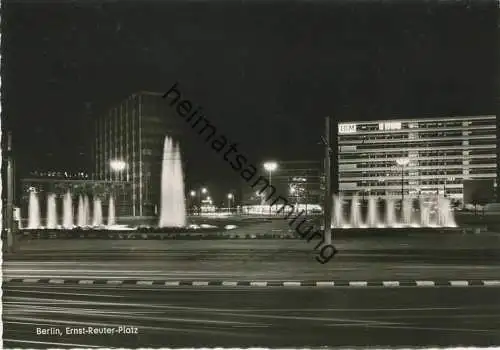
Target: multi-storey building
[133,132]
[413,157]
[301,182]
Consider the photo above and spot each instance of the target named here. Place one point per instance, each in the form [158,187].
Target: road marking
[86,282]
[459,283]
[200,283]
[291,284]
[390,283]
[229,283]
[31,280]
[372,283]
[491,283]
[172,283]
[146,283]
[325,284]
[358,284]
[425,283]
[258,284]
[56,281]
[114,282]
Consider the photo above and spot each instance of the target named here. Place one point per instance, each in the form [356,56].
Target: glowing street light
[199,192]
[270,167]
[230,196]
[117,165]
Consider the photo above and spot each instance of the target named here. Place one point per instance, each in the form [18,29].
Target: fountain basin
[394,232]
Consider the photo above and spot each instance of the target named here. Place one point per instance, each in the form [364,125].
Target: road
[234,316]
[244,317]
[463,258]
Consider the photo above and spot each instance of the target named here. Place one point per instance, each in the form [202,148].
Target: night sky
[266,73]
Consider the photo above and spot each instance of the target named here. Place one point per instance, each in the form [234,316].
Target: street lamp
[117,165]
[229,198]
[403,162]
[199,192]
[270,167]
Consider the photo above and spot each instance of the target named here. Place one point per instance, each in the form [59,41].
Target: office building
[133,133]
[414,157]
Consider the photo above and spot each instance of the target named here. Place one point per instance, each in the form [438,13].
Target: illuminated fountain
[437,213]
[68,211]
[86,210]
[33,211]
[111,212]
[80,219]
[51,211]
[372,216]
[172,205]
[172,208]
[97,219]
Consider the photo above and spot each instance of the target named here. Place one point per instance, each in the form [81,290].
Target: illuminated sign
[347,128]
[387,126]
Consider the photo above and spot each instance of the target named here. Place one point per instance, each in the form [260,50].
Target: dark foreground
[243,317]
[168,315]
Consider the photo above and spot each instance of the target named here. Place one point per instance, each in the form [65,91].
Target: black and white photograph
[250,174]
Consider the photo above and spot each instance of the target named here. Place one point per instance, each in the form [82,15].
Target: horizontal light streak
[363,141]
[436,168]
[385,150]
[414,177]
[383,158]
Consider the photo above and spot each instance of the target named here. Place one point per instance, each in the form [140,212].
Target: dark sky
[266,72]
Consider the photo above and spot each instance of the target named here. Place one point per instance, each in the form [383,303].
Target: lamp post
[192,194]
[403,162]
[230,196]
[270,167]
[199,192]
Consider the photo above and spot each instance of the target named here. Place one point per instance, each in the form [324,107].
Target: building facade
[301,182]
[133,132]
[413,157]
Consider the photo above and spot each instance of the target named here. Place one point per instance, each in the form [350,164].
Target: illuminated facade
[300,182]
[134,132]
[416,156]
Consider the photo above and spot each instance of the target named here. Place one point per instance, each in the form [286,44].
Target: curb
[154,236]
[190,283]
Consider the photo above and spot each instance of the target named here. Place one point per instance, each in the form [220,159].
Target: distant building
[133,132]
[300,182]
[435,155]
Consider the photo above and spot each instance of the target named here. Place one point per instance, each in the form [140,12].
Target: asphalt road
[462,258]
[244,317]
[229,316]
